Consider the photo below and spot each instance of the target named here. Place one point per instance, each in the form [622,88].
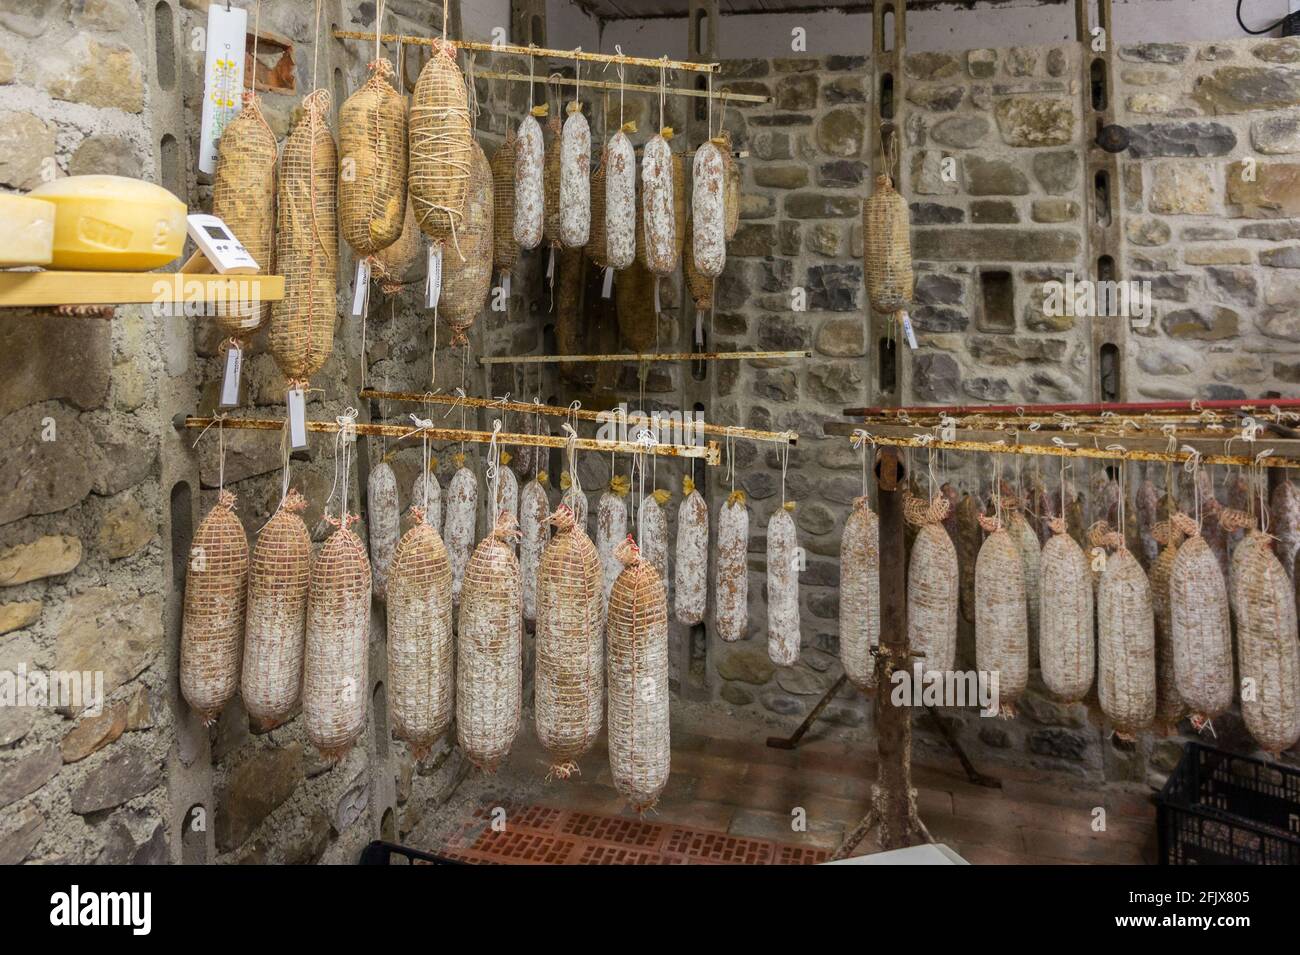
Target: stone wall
[1211,192]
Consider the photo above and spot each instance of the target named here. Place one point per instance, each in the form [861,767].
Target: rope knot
[1185,525]
[226,499]
[294,502]
[627,553]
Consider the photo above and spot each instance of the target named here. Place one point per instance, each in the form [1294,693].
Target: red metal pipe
[1132,407]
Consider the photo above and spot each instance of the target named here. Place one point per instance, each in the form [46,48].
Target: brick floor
[734,800]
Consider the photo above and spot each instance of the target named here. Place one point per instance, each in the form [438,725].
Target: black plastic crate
[1218,808]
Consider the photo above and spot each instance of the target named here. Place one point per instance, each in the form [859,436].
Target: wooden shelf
[38,289]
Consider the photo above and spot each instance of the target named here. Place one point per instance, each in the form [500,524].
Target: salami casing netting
[440,138]
[243,197]
[1066,648]
[335,688]
[276,625]
[420,640]
[372,157]
[1001,621]
[307,245]
[535,532]
[212,626]
[1269,654]
[1199,622]
[570,666]
[489,673]
[1126,647]
[637,669]
[860,594]
[932,579]
[384,513]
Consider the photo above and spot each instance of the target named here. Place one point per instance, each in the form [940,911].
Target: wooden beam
[635,359]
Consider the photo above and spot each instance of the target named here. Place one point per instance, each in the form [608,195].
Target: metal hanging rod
[632,359]
[711,452]
[533,51]
[556,411]
[631,87]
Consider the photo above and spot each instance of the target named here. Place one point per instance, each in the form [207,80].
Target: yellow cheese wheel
[26,231]
[112,223]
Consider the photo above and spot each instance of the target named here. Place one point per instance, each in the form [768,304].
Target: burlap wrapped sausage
[465,282]
[1001,618]
[1202,637]
[932,585]
[1066,648]
[440,139]
[1126,646]
[1268,651]
[611,529]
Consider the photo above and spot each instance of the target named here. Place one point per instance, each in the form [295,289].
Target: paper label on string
[550,266]
[433,285]
[361,287]
[656,296]
[505,285]
[699,329]
[297,402]
[223,77]
[230,379]
[607,287]
[908,332]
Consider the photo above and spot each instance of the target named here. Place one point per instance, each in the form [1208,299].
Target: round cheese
[112,223]
[26,231]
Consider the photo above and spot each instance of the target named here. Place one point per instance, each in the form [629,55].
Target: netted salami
[1001,618]
[420,640]
[489,644]
[1170,707]
[335,690]
[932,585]
[1284,520]
[1066,649]
[440,139]
[569,678]
[1126,643]
[212,623]
[1268,651]
[860,594]
[276,625]
[1202,637]
[372,163]
[637,668]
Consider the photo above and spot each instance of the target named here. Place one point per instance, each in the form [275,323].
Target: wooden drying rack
[710,452]
[1113,447]
[581,414]
[636,359]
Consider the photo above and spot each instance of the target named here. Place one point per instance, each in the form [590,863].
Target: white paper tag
[505,285]
[433,285]
[699,329]
[907,331]
[607,286]
[297,402]
[223,77]
[656,296]
[550,266]
[230,380]
[361,287]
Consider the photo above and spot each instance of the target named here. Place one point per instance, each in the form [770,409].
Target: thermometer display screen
[216,232]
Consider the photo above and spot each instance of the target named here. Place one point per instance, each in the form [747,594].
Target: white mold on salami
[691,556]
[384,519]
[534,523]
[731,583]
[658,214]
[462,507]
[620,202]
[782,589]
[708,242]
[575,179]
[529,157]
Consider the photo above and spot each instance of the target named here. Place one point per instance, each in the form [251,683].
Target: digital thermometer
[219,246]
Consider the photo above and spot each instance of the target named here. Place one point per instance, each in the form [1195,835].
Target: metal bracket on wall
[1103,205]
[889,378]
